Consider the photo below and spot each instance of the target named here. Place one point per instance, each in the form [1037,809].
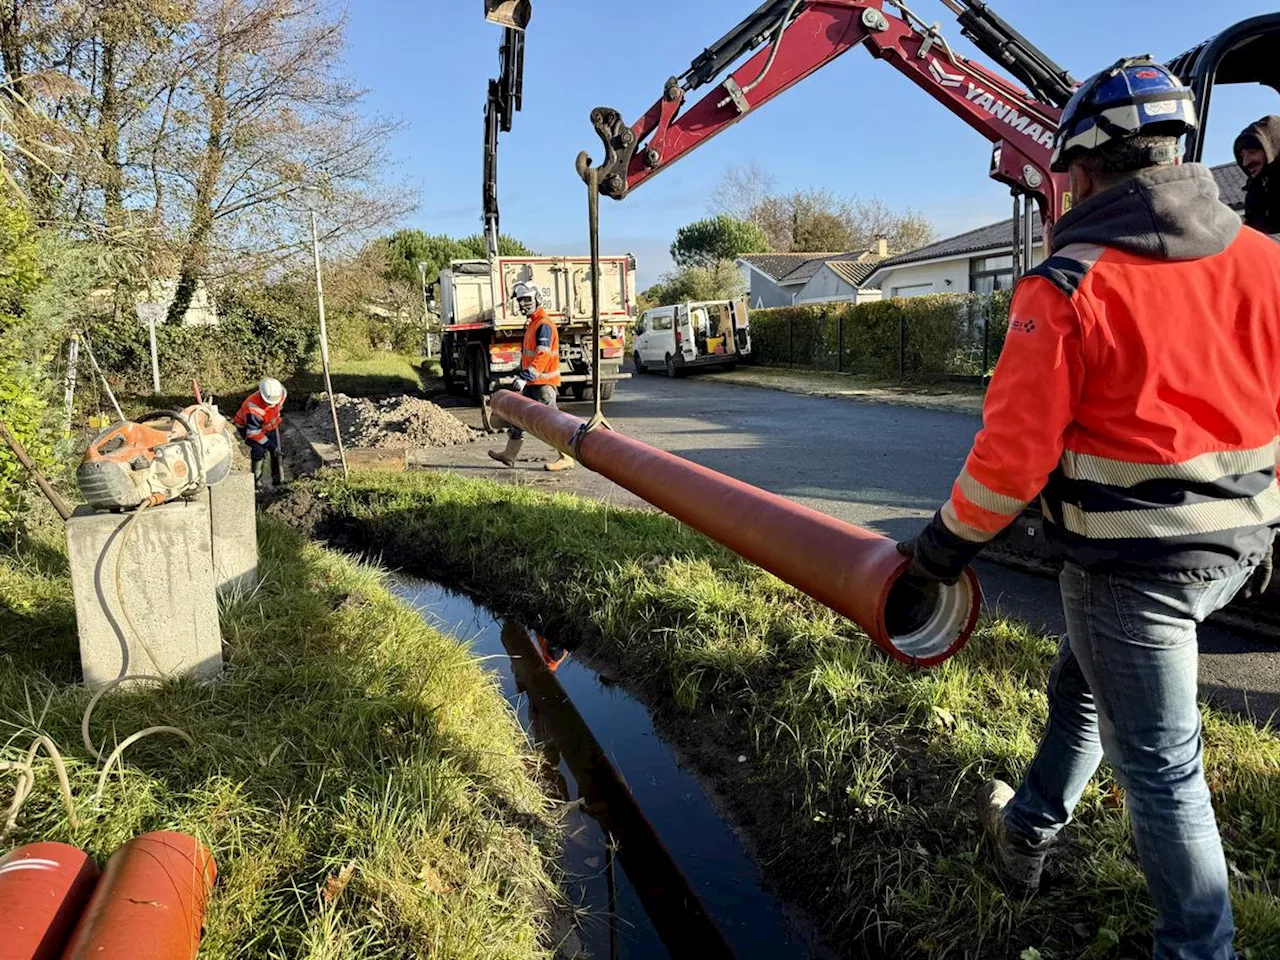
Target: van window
[643,324]
[662,323]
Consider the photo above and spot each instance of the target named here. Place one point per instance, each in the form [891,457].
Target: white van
[714,333]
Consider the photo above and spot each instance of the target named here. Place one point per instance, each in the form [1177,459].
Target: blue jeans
[1125,686]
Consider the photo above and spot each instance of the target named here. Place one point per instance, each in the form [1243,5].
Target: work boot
[565,462]
[1019,861]
[257,467]
[509,455]
[277,470]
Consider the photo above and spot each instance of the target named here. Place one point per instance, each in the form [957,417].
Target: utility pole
[324,342]
[426,313]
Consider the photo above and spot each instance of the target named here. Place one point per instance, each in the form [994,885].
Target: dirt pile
[400,421]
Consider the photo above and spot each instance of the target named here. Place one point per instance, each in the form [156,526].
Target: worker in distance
[1257,151]
[539,375]
[258,423]
[1137,397]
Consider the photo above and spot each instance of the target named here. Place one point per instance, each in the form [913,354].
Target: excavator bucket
[509,13]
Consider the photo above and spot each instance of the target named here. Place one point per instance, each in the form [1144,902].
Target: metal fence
[948,335]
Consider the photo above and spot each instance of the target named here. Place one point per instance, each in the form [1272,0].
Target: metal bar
[853,571]
[840,342]
[593,215]
[20,452]
[88,348]
[324,346]
[69,394]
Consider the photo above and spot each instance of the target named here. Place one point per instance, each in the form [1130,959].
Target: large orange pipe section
[43,888]
[149,903]
[851,570]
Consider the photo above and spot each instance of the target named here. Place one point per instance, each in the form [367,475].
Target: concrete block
[233,525]
[165,578]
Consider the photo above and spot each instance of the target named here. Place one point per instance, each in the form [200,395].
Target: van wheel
[639,364]
[672,372]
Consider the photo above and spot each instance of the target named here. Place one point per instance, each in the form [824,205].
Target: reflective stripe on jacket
[540,352]
[1138,395]
[257,418]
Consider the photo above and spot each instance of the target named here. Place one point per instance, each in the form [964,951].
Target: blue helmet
[1135,96]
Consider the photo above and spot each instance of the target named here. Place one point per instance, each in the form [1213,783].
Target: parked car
[714,333]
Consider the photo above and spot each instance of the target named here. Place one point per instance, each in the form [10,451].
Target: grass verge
[365,789]
[856,790]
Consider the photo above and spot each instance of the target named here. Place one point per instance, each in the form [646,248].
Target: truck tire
[448,372]
[579,391]
[606,391]
[477,374]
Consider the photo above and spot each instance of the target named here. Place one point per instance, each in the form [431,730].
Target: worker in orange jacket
[1137,396]
[258,423]
[539,374]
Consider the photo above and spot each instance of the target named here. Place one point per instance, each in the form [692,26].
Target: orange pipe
[43,888]
[853,571]
[149,903]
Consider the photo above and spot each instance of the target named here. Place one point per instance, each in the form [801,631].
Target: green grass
[378,376]
[365,789]
[860,771]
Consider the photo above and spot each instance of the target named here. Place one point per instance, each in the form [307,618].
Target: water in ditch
[652,867]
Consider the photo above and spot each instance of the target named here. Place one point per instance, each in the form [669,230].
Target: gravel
[402,421]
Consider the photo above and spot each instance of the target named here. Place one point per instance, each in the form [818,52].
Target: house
[981,260]
[793,279]
[155,298]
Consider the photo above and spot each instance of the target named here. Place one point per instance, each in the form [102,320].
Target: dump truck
[483,329]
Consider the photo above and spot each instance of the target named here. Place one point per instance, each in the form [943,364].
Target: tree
[704,242]
[719,281]
[816,220]
[407,248]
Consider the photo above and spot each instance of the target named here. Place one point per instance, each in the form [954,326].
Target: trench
[649,866]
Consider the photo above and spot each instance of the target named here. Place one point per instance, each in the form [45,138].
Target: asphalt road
[879,466]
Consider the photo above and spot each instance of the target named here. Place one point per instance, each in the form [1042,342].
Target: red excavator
[788,40]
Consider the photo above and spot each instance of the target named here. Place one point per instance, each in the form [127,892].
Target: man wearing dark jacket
[1137,396]
[1258,152]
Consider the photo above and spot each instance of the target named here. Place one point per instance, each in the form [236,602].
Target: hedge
[941,334]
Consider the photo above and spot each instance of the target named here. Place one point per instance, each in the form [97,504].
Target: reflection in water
[605,737]
[672,906]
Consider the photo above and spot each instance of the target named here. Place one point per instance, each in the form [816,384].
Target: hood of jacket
[1167,213]
[1264,133]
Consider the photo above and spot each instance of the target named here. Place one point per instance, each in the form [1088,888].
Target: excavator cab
[1248,52]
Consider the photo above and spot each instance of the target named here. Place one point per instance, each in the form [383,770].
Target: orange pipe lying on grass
[43,888]
[853,571]
[149,903]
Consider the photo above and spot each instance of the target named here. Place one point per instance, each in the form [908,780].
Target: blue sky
[856,127]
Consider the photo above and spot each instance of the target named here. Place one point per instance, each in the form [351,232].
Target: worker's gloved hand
[1260,582]
[937,554]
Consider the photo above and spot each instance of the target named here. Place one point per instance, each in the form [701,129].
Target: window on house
[988,274]
[912,290]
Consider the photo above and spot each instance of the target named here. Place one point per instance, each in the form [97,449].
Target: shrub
[938,334]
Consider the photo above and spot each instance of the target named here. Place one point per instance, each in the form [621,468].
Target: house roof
[781,266]
[792,268]
[1230,178]
[854,272]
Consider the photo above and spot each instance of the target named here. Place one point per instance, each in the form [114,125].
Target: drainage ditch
[649,865]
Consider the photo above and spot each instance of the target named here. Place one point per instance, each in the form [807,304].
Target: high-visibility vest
[1139,398]
[541,360]
[257,418]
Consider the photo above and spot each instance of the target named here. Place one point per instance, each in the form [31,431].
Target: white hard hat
[271,390]
[527,291]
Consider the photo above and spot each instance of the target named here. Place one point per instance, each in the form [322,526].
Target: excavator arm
[795,38]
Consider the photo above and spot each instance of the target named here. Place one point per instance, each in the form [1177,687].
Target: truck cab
[685,336]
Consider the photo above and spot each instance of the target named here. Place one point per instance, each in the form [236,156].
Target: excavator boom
[792,39]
